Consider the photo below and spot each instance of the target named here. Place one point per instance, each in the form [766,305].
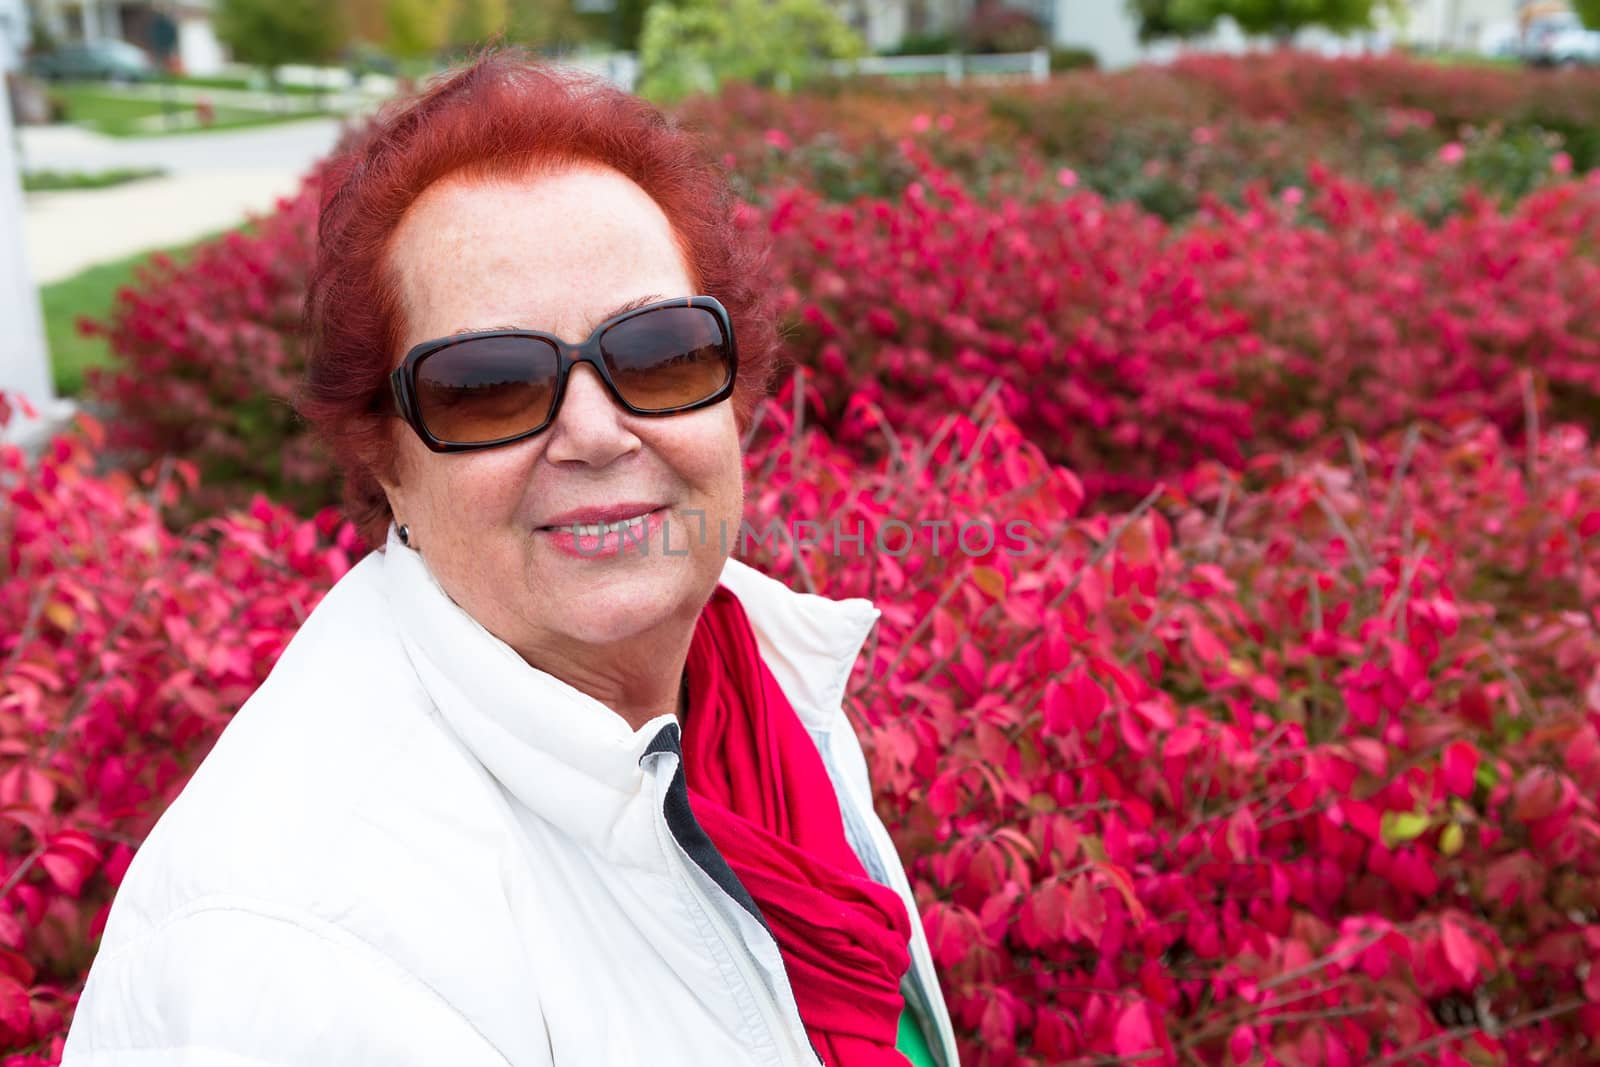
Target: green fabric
[911,1042]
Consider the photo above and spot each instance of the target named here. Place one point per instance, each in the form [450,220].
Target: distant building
[1483,26]
[1111,33]
[13,34]
[134,21]
[1104,27]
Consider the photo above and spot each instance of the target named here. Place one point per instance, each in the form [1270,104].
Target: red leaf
[16,966]
[1048,907]
[15,1013]
[1085,911]
[1244,840]
[1459,950]
[1536,796]
[1134,1032]
[1242,1045]
[1207,648]
[27,784]
[1458,767]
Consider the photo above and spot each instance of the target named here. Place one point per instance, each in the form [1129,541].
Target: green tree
[475,21]
[1589,12]
[274,32]
[1276,18]
[546,24]
[1281,18]
[417,28]
[695,45]
[1172,18]
[619,26]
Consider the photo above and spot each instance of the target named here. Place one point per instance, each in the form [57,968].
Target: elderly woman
[550,778]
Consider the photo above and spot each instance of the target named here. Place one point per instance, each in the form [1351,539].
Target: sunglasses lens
[668,357]
[486,388]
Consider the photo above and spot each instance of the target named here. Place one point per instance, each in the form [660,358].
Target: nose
[590,427]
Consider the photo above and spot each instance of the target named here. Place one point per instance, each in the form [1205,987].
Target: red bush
[1296,763]
[1293,761]
[208,351]
[1258,774]
[1128,351]
[1380,319]
[124,648]
[1131,347]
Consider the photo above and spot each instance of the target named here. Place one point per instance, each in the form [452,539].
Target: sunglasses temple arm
[396,402]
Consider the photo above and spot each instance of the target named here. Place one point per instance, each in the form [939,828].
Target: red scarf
[758,787]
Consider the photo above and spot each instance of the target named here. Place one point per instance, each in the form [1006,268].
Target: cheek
[459,492]
[713,455]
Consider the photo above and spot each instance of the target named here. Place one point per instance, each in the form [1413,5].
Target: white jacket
[411,848]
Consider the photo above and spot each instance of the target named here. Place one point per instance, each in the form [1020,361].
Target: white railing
[619,68]
[953,66]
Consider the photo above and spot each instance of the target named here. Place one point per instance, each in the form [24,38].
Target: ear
[389,472]
[396,494]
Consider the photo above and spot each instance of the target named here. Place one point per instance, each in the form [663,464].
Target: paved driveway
[214,180]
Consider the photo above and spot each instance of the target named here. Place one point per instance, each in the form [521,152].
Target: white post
[1041,65]
[952,68]
[24,364]
[94,27]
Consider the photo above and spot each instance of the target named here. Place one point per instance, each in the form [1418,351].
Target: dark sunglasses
[481,390]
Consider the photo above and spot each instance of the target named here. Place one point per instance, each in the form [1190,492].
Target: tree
[546,24]
[417,28]
[475,21]
[1589,12]
[1281,18]
[695,45]
[1277,18]
[619,26]
[274,32]
[1171,18]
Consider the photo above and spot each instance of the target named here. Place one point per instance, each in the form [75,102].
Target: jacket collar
[564,754]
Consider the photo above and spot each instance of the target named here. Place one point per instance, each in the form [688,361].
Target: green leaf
[1486,777]
[1401,826]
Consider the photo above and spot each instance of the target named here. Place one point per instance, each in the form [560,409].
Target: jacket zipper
[850,806]
[681,825]
[766,1002]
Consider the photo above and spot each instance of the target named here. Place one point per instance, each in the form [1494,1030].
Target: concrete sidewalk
[67,232]
[214,181]
[292,146]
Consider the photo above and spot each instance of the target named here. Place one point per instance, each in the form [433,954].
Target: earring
[405,534]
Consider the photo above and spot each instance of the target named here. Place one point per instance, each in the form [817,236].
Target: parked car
[99,60]
[1574,46]
[1560,39]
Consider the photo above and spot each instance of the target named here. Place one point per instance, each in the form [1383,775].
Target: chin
[621,605]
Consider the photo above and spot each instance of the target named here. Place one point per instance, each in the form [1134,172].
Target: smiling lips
[598,520]
[605,531]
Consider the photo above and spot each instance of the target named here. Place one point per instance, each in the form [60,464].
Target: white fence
[622,69]
[953,67]
[619,68]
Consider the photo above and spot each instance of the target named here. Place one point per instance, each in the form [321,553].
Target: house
[1102,26]
[13,34]
[1106,28]
[139,22]
[1462,25]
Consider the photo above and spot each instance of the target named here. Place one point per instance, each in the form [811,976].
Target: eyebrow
[632,305]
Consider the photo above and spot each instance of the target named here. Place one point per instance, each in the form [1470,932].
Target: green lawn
[50,181]
[238,83]
[89,293]
[108,111]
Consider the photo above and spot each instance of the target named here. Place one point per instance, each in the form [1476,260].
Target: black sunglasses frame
[402,381]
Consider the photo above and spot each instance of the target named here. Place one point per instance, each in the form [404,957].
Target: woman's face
[560,253]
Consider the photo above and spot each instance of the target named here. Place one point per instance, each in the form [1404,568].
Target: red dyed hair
[503,114]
